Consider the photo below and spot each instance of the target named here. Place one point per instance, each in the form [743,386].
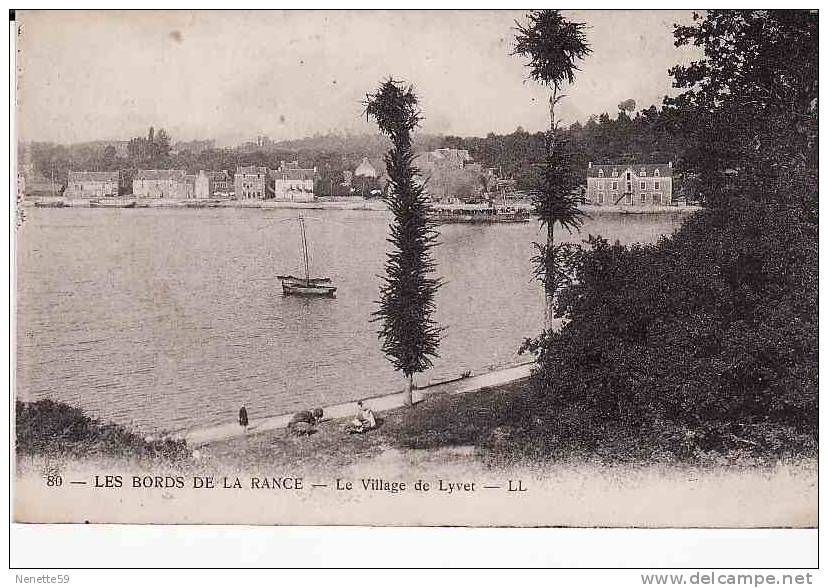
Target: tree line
[644,136]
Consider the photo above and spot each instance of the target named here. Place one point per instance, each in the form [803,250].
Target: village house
[211,184]
[292,183]
[251,182]
[161,183]
[639,184]
[366,169]
[90,184]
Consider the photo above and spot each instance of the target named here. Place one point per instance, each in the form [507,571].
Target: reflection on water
[171,318]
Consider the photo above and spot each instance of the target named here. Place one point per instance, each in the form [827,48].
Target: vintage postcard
[442,268]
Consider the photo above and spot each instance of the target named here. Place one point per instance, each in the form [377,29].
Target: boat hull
[99,204]
[295,289]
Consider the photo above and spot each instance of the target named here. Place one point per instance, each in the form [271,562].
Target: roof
[366,169]
[251,169]
[664,169]
[292,174]
[160,174]
[444,155]
[91,176]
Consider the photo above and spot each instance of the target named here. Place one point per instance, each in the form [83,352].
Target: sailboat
[306,286]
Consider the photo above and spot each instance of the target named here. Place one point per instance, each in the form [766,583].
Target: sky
[233,75]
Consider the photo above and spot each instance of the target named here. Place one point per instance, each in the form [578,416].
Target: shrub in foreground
[46,427]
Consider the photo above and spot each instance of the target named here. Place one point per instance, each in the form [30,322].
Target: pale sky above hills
[234,75]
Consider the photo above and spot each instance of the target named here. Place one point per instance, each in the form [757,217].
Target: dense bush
[711,333]
[708,339]
[46,427]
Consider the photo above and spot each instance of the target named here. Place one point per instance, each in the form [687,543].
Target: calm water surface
[165,319]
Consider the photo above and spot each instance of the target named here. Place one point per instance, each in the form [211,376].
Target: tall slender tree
[553,46]
[409,335]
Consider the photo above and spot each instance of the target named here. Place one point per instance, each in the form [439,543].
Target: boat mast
[304,247]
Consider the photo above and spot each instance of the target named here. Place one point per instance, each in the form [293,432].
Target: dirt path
[202,435]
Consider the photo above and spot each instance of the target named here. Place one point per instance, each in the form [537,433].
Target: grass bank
[48,428]
[498,426]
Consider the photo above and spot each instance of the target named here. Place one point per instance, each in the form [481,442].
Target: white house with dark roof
[90,184]
[637,184]
[292,183]
[366,169]
[162,183]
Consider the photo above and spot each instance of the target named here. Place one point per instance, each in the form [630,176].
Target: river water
[164,319]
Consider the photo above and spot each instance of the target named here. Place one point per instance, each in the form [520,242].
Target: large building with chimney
[292,183]
[251,182]
[162,183]
[639,184]
[90,184]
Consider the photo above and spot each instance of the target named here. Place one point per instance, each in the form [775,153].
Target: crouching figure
[304,422]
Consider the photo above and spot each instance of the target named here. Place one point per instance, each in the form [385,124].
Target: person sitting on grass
[363,421]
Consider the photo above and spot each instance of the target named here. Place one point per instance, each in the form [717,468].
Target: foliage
[152,151]
[627,105]
[750,109]
[556,202]
[715,328]
[642,138]
[553,46]
[555,183]
[712,333]
[409,335]
[46,427]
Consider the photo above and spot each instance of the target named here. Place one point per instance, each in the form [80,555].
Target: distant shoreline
[344,204]
[130,203]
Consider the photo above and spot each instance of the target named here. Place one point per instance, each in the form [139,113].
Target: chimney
[670,165]
[590,165]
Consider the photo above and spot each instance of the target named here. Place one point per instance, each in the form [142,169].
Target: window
[600,173]
[629,186]
[628,176]
[657,173]
[656,185]
[643,198]
[643,172]
[643,185]
[615,173]
[600,197]
[629,198]
[656,198]
[615,186]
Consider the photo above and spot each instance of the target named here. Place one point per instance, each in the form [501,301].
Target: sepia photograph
[458,268]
